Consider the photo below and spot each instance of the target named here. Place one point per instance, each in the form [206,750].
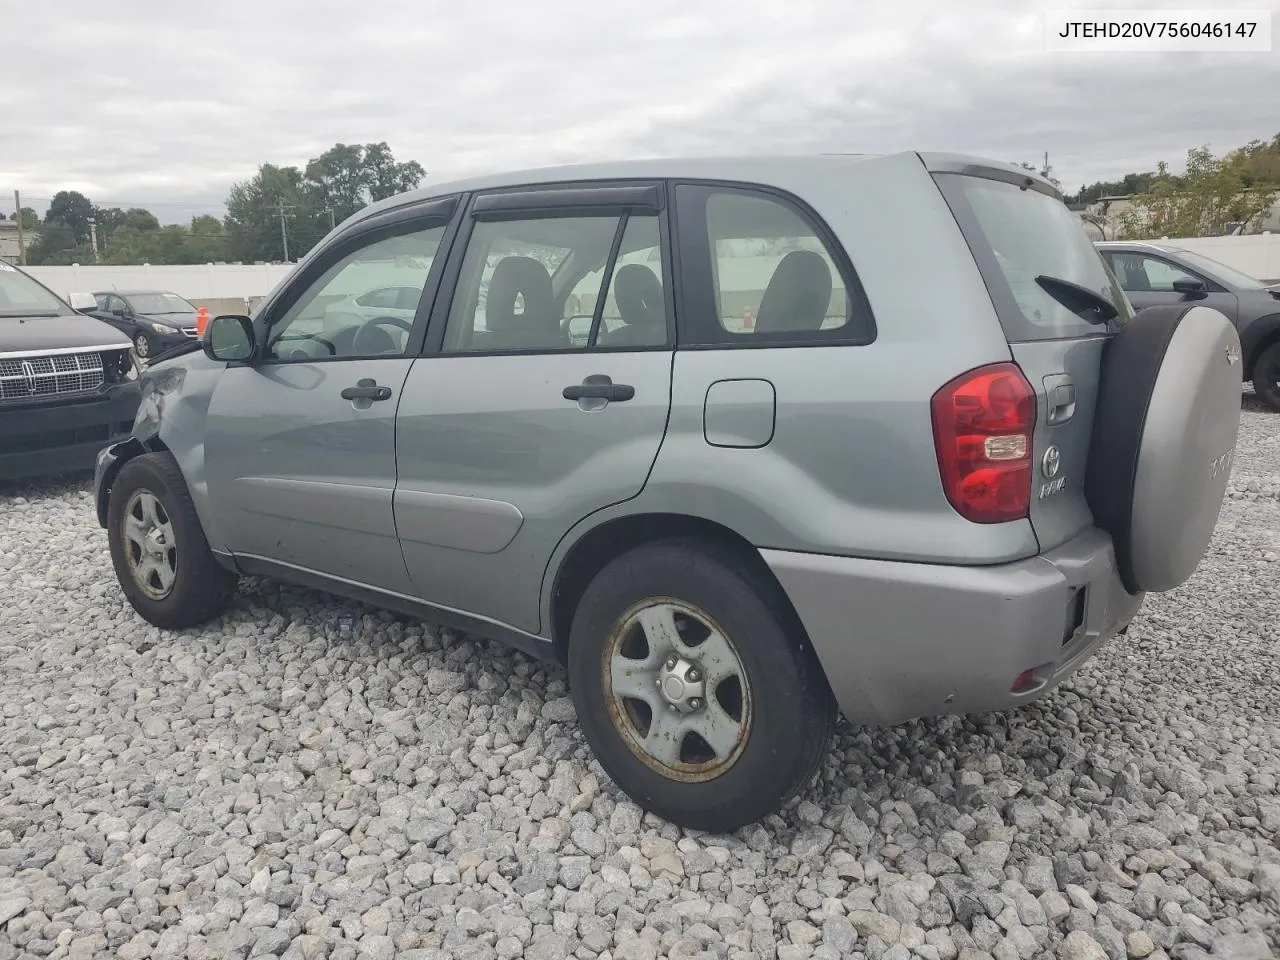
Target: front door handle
[598,386]
[366,389]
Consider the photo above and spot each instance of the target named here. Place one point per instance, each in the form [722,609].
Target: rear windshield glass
[1017,235]
[20,296]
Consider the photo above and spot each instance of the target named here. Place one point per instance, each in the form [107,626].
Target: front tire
[695,688]
[158,548]
[142,346]
[1266,377]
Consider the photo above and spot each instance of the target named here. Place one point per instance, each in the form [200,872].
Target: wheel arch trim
[599,538]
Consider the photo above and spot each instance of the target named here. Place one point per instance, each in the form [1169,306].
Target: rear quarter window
[1017,235]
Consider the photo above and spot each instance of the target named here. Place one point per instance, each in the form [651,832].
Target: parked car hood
[57,333]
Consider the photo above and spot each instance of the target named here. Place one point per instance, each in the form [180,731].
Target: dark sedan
[1156,273]
[155,320]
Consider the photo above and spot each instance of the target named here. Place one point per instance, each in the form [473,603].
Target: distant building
[1105,216]
[9,240]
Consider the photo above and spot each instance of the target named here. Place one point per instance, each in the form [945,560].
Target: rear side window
[1017,235]
[759,270]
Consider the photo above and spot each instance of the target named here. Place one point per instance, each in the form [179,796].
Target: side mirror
[82,302]
[1190,286]
[229,339]
[120,312]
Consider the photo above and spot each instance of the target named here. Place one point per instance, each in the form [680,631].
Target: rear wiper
[1092,307]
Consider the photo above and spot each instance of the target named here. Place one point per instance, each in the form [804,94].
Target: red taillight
[982,429]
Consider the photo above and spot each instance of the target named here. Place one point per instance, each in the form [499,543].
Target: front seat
[798,295]
[1135,277]
[638,293]
[536,327]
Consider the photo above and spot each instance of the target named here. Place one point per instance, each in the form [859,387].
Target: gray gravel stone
[1079,945]
[307,778]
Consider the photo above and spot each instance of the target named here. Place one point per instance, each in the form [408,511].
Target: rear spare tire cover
[1164,435]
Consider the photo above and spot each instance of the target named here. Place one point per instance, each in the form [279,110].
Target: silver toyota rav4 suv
[744,443]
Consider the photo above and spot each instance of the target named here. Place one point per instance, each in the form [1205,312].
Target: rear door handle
[598,386]
[366,389]
[1060,399]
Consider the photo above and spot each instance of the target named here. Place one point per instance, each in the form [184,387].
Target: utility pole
[22,240]
[332,224]
[93,237]
[281,207]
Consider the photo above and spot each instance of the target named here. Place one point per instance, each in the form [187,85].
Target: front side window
[330,319]
[1139,273]
[540,284]
[769,276]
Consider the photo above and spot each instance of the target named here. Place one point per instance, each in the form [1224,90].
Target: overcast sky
[165,104]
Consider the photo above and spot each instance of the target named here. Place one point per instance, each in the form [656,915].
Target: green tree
[72,208]
[1203,202]
[141,220]
[254,208]
[109,219]
[387,177]
[346,178]
[1257,162]
[30,219]
[330,188]
[207,242]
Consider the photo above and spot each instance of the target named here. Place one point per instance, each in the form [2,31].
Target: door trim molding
[539,647]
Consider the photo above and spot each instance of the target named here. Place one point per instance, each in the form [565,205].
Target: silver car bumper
[903,640]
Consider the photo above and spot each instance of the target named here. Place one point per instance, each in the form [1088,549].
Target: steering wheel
[371,340]
[333,351]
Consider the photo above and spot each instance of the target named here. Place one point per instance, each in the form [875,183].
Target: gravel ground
[291,781]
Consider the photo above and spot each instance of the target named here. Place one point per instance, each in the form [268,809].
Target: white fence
[1257,255]
[220,281]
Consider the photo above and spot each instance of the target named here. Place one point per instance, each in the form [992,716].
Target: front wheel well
[133,447]
[612,539]
[1267,342]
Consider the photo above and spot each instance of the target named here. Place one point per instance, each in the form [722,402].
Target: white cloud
[166,104]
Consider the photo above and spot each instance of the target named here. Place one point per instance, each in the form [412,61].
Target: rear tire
[1266,377]
[1164,434]
[158,548]
[760,696]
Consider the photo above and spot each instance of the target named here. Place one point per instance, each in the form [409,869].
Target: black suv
[1155,274]
[68,383]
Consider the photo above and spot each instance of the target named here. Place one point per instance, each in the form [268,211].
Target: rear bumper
[60,438]
[904,640]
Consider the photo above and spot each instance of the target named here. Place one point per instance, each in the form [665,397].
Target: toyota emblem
[1051,463]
